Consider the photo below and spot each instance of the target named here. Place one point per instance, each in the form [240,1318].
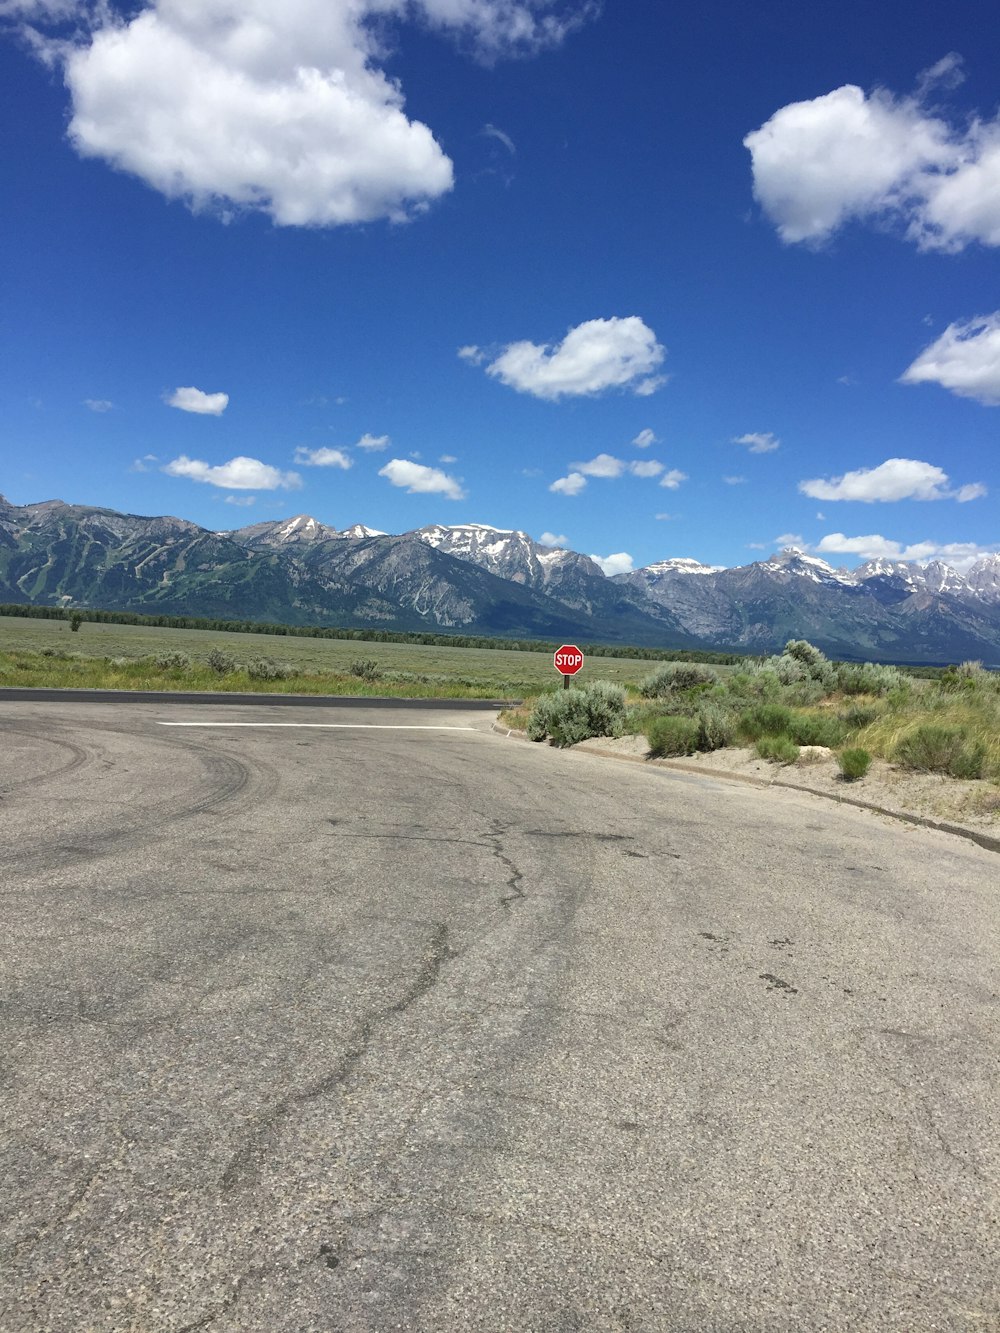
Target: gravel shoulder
[973,807]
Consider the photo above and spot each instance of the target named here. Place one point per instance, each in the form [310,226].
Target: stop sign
[568,659]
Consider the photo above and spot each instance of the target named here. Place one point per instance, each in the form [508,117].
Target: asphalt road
[363,1028]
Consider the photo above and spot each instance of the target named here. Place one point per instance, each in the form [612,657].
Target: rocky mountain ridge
[480,579]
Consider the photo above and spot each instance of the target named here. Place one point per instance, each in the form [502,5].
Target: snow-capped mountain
[283,532]
[480,579]
[983,577]
[678,564]
[793,563]
[508,553]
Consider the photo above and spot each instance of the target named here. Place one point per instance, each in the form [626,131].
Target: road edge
[921,821]
[46,694]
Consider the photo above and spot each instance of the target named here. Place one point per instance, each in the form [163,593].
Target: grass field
[99,652]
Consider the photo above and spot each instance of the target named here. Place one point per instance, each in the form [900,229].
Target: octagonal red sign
[568,659]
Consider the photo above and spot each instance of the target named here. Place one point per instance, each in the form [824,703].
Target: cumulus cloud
[848,155]
[872,547]
[619,563]
[251,105]
[598,355]
[572,484]
[644,439]
[322,458]
[193,400]
[244,501]
[672,479]
[447,458]
[551,539]
[420,480]
[895,479]
[734,481]
[98,404]
[965,359]
[604,465]
[649,467]
[239,474]
[142,464]
[473,354]
[373,443]
[758,442]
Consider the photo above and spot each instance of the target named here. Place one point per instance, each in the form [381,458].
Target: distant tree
[75,621]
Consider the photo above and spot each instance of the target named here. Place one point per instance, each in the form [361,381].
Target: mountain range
[473,578]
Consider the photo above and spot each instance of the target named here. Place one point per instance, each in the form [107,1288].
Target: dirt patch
[972,805]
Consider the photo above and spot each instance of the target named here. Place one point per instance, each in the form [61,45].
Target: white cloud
[644,439]
[734,481]
[473,354]
[957,554]
[323,458]
[244,501]
[142,464]
[572,484]
[895,479]
[98,404]
[421,480]
[491,132]
[965,359]
[619,563]
[604,465]
[239,474]
[672,479]
[846,156]
[758,442]
[279,108]
[373,443]
[664,518]
[447,458]
[597,355]
[193,400]
[795,539]
[649,467]
[551,539]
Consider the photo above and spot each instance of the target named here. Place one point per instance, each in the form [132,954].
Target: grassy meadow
[35,652]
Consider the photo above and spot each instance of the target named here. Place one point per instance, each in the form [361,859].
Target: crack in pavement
[263,1127]
[515,875]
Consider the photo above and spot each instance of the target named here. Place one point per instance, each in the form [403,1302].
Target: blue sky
[411,261]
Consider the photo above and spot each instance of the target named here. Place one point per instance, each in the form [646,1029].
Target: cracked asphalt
[349,1029]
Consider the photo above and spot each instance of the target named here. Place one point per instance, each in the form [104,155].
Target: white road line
[324,726]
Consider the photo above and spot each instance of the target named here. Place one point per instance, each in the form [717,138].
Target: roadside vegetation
[798,698]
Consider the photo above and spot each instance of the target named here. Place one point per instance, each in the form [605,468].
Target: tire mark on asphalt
[262,1129]
[79,756]
[231,778]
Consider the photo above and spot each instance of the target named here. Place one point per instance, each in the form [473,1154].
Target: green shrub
[937,749]
[777,749]
[672,677]
[173,661]
[869,678]
[672,735]
[716,727]
[854,763]
[366,668]
[265,668]
[220,662]
[859,715]
[764,719]
[816,729]
[570,716]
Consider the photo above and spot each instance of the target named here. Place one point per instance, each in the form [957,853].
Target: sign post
[567,660]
